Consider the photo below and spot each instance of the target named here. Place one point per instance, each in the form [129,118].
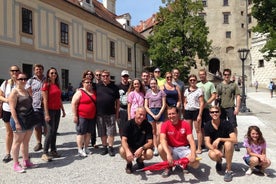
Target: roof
[147,24]
[106,15]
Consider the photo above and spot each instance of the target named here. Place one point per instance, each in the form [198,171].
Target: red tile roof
[147,24]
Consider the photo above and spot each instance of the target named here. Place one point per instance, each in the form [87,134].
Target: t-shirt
[6,87]
[136,99]
[176,134]
[180,84]
[123,95]
[155,99]
[160,81]
[192,99]
[224,130]
[227,93]
[255,148]
[137,135]
[87,107]
[54,95]
[106,98]
[208,89]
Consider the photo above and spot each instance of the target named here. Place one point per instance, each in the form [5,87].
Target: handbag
[30,119]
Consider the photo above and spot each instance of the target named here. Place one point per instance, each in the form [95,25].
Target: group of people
[148,112]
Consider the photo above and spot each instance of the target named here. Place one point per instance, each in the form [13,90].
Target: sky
[138,9]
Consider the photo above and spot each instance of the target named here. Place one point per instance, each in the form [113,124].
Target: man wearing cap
[157,75]
[123,87]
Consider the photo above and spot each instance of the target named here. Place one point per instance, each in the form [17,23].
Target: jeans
[52,127]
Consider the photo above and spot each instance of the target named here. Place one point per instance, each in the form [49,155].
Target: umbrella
[183,162]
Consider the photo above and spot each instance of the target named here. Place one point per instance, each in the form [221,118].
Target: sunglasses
[52,73]
[192,80]
[226,74]
[169,77]
[87,82]
[212,112]
[98,74]
[22,79]
[14,70]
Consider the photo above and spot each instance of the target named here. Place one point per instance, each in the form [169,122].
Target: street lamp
[243,55]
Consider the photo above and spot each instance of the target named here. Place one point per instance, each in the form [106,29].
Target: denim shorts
[13,127]
[155,111]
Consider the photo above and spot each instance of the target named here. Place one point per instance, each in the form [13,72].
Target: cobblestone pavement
[70,168]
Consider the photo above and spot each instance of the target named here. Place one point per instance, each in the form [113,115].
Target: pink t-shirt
[255,148]
[136,99]
[155,99]
[176,134]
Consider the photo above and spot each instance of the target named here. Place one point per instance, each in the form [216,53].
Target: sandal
[166,173]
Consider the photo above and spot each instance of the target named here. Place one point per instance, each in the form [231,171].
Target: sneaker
[140,163]
[104,151]
[263,172]
[111,151]
[129,168]
[54,154]
[166,173]
[46,157]
[17,168]
[82,153]
[249,171]
[87,151]
[7,158]
[218,166]
[38,147]
[155,152]
[29,164]
[236,147]
[228,176]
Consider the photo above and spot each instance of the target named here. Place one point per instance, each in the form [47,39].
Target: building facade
[70,35]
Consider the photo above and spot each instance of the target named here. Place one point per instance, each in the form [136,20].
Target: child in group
[255,150]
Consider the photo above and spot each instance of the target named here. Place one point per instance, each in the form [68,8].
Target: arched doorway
[214,65]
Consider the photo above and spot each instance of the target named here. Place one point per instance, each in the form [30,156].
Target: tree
[179,36]
[265,13]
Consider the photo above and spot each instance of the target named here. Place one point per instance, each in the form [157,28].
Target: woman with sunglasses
[6,88]
[84,111]
[20,103]
[173,94]
[52,102]
[155,104]
[194,104]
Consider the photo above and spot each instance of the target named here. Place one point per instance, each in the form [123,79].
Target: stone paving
[70,168]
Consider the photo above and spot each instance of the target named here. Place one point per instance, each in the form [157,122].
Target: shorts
[247,160]
[155,111]
[41,116]
[205,117]
[191,114]
[106,125]
[228,114]
[6,116]
[85,126]
[180,152]
[13,127]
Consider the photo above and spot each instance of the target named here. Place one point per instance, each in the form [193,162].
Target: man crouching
[137,140]
[176,141]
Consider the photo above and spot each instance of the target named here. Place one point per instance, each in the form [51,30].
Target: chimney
[110,5]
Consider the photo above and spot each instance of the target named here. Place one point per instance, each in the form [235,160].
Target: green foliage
[179,36]
[265,13]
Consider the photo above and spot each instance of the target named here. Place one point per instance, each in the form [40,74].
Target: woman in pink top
[135,97]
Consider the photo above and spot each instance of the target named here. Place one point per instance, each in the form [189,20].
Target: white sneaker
[155,152]
[249,171]
[82,153]
[87,151]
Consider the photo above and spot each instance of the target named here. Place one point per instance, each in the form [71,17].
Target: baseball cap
[157,69]
[124,72]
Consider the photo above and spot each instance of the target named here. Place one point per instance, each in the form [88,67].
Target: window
[242,25]
[241,13]
[204,2]
[249,2]
[89,40]
[225,3]
[64,30]
[261,63]
[112,49]
[249,19]
[226,18]
[129,54]
[228,34]
[143,59]
[27,21]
